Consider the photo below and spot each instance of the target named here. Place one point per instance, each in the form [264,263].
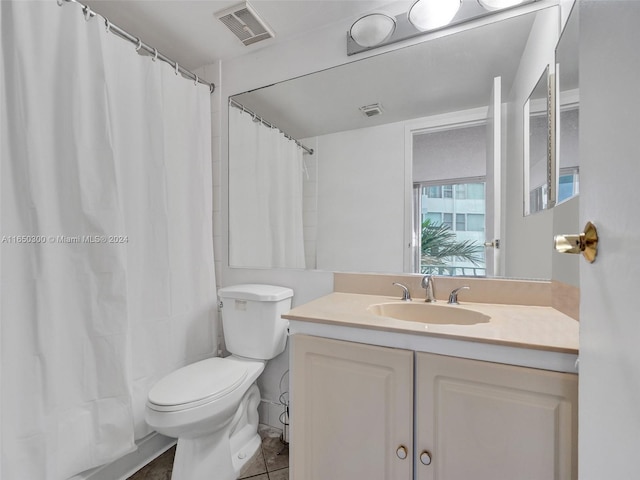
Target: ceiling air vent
[372,110]
[245,23]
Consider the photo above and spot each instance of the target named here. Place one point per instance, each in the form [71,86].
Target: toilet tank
[251,319]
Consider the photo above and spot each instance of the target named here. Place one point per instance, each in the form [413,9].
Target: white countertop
[540,337]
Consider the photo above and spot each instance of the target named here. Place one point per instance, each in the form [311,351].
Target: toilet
[211,406]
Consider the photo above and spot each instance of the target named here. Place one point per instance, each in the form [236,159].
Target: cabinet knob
[425,457]
[402,452]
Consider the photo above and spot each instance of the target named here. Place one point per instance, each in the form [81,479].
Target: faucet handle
[406,296]
[453,297]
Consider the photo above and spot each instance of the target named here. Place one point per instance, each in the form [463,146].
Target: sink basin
[429,313]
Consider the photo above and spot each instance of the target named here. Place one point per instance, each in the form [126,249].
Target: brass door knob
[585,243]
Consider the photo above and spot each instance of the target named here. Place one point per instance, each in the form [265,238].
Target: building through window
[460,208]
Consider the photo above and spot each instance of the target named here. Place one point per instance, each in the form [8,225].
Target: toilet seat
[197,384]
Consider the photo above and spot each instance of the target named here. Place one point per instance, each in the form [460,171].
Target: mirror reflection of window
[449,168]
[452,219]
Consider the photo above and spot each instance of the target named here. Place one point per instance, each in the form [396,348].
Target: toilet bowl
[211,406]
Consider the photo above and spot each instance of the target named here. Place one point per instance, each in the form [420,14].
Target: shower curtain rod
[88,14]
[239,106]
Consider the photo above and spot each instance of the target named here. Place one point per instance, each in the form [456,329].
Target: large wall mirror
[358,189]
[568,110]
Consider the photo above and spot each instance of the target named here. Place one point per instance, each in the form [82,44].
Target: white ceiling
[188,32]
[442,75]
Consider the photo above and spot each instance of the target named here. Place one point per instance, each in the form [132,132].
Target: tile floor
[271,461]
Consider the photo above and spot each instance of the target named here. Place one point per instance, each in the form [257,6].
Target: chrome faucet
[406,296]
[427,284]
[453,297]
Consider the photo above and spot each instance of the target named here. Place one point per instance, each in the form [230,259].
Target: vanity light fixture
[492,5]
[372,29]
[431,14]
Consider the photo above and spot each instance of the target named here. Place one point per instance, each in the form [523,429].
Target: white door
[610,198]
[494,165]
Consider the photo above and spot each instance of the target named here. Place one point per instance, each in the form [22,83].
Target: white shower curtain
[107,277]
[265,196]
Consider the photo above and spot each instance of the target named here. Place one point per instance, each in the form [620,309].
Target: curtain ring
[107,25]
[60,3]
[212,87]
[139,45]
[87,13]
[195,81]
[176,68]
[155,54]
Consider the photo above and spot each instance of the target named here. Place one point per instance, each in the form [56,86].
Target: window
[568,184]
[460,207]
[433,217]
[475,191]
[475,222]
[433,191]
[447,219]
[449,211]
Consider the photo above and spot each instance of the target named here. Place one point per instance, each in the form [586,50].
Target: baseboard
[149,447]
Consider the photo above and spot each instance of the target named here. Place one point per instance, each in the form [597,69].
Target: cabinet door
[486,421]
[351,410]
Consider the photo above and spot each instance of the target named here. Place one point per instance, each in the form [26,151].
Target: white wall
[609,428]
[361,200]
[527,240]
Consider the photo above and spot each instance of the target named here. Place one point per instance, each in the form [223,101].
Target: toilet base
[221,454]
[214,459]
[245,453]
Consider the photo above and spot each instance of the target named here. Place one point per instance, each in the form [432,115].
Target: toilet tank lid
[256,292]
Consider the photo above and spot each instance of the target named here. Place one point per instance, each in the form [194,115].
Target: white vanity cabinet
[356,410]
[351,410]
[487,421]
